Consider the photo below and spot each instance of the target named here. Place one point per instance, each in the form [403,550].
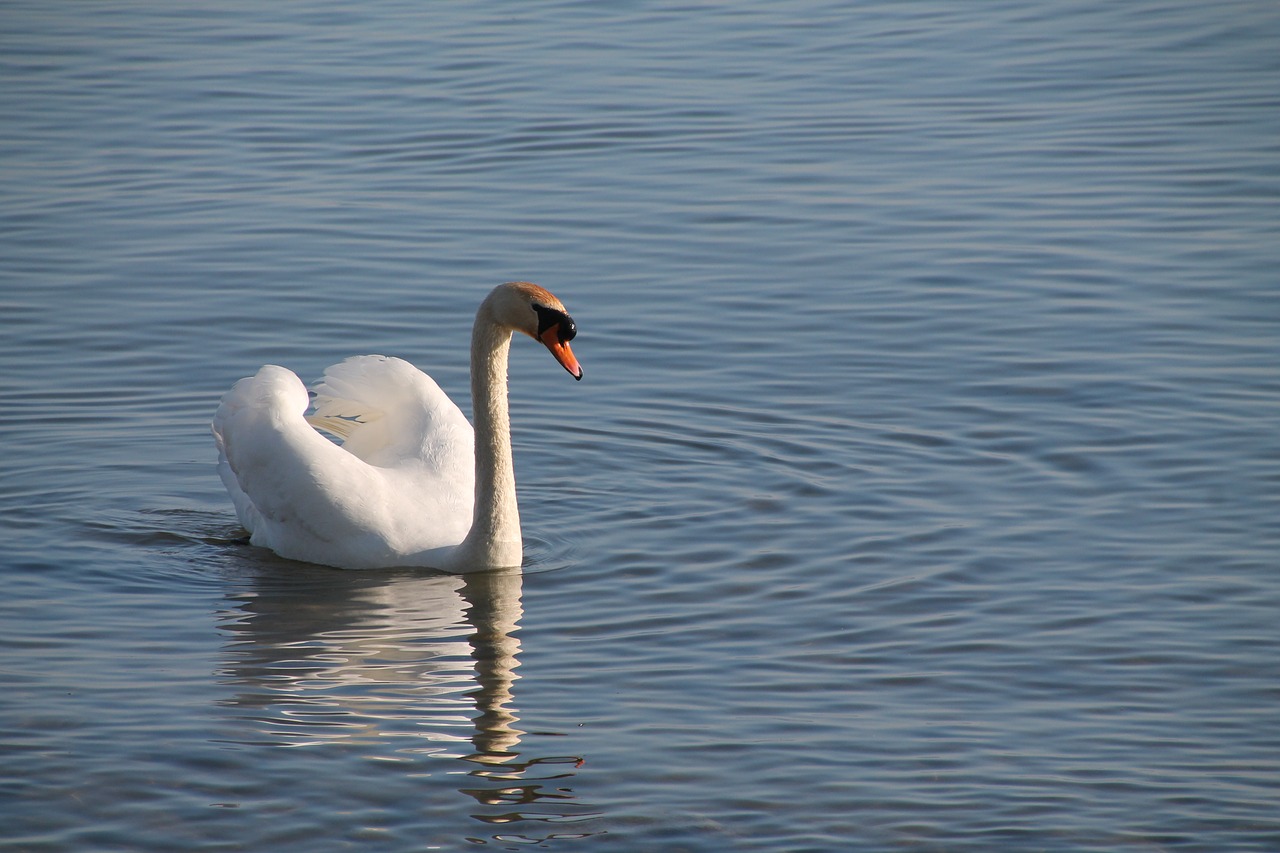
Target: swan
[412,484]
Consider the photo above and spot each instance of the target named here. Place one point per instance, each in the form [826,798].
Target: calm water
[923,492]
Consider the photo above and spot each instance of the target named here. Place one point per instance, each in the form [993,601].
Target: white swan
[411,485]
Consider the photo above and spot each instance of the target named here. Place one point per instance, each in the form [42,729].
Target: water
[921,494]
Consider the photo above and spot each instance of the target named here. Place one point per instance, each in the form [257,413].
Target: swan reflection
[401,667]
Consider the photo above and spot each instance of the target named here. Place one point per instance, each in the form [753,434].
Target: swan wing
[307,498]
[389,413]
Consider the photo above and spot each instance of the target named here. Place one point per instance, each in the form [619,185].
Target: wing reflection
[408,668]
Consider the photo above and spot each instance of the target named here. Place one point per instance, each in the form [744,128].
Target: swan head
[525,307]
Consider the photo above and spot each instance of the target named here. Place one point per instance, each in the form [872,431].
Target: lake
[922,492]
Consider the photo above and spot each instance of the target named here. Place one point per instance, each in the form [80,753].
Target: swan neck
[494,539]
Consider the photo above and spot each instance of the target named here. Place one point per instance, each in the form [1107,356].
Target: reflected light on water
[403,668]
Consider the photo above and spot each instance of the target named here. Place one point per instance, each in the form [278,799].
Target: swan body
[412,484]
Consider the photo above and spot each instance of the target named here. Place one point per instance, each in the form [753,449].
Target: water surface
[921,494]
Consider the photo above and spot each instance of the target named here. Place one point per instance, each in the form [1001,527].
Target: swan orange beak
[560,349]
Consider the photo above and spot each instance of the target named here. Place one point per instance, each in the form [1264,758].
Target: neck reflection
[494,611]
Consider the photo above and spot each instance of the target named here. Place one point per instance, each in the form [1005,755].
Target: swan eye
[548,317]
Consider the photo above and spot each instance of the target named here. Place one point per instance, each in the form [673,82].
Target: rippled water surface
[922,492]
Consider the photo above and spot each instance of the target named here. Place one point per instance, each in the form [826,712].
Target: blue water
[922,492]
